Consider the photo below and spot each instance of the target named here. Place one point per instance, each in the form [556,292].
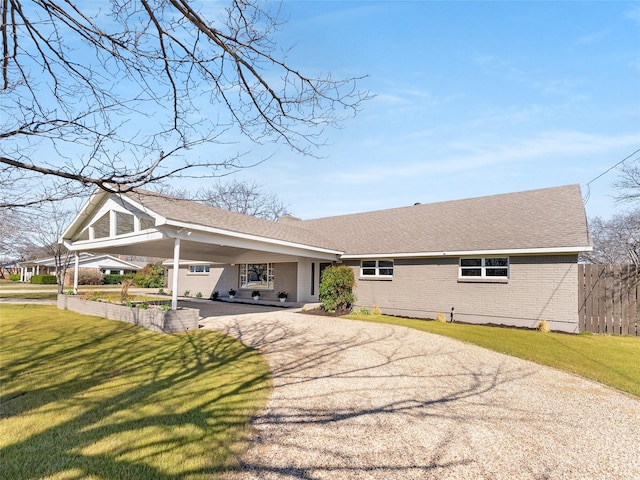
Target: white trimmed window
[256,276]
[199,269]
[376,268]
[489,267]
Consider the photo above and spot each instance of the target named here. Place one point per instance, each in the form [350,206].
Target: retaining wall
[155,319]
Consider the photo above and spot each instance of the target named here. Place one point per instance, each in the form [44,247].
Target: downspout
[176,268]
[76,269]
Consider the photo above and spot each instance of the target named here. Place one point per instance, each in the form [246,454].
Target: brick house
[505,259]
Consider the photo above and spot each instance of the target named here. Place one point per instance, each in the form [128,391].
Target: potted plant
[283,296]
[232,293]
[256,295]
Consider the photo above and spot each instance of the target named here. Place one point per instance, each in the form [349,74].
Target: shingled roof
[208,216]
[547,219]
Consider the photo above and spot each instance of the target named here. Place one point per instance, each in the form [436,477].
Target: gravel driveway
[360,400]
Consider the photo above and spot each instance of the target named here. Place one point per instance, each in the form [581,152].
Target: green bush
[14,277]
[115,278]
[151,276]
[44,279]
[336,289]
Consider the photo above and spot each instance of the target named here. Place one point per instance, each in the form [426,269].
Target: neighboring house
[9,268]
[104,263]
[504,259]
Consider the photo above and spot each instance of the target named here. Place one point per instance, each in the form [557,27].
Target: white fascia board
[467,253]
[109,242]
[250,237]
[95,199]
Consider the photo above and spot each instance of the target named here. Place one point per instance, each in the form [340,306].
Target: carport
[149,224]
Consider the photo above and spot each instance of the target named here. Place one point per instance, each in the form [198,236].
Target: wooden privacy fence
[608,299]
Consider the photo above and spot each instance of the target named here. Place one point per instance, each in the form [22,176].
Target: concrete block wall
[171,321]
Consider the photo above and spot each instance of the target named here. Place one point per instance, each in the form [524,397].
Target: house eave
[467,253]
[249,237]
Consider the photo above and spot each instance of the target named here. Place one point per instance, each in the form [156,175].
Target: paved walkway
[367,401]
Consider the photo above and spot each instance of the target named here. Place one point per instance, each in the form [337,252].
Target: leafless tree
[33,233]
[628,185]
[243,197]
[616,240]
[113,94]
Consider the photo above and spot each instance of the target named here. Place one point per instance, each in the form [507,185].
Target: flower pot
[257,297]
[283,299]
[232,296]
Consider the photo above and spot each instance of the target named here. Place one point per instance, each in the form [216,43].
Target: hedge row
[44,279]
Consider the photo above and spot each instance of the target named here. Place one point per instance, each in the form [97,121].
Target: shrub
[215,295]
[441,318]
[336,289]
[151,276]
[376,310]
[44,279]
[14,277]
[543,326]
[199,295]
[87,276]
[115,278]
[187,293]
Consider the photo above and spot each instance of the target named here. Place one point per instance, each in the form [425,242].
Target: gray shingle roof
[547,218]
[207,216]
[536,219]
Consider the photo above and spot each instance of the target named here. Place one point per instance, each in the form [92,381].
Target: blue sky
[472,99]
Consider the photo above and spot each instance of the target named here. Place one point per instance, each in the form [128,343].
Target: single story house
[106,264]
[504,259]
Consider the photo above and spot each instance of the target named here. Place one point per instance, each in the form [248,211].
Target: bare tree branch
[616,240]
[120,96]
[629,183]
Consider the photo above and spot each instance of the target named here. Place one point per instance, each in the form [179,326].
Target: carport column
[76,269]
[176,269]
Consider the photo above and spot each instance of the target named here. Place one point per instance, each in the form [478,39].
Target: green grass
[30,295]
[84,397]
[611,360]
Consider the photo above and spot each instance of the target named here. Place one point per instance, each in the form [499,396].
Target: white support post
[176,271]
[76,269]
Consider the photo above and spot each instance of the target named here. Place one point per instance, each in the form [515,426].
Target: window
[147,223]
[376,268]
[124,223]
[492,267]
[256,276]
[102,227]
[199,269]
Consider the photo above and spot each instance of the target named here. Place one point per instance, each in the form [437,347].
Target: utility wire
[586,197]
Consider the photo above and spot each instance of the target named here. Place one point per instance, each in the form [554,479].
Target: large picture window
[256,276]
[376,268]
[490,267]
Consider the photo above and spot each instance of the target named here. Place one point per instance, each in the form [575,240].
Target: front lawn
[84,397]
[609,359]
